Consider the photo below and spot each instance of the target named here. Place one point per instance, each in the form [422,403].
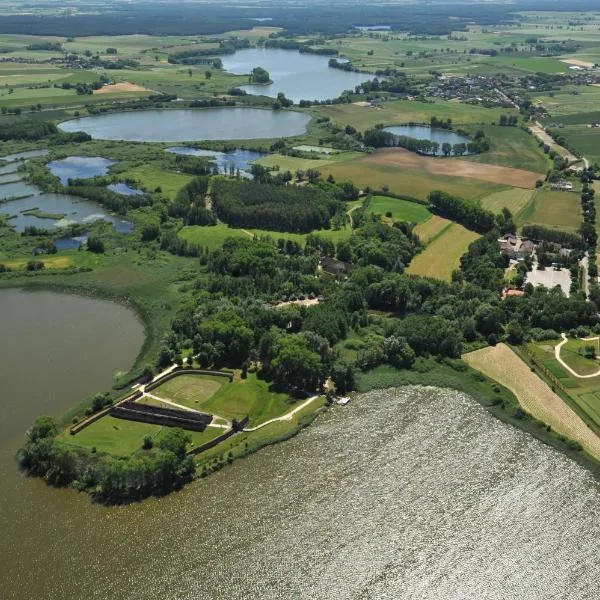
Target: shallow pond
[124,189]
[239,158]
[422,132]
[79,167]
[191,125]
[298,76]
[68,209]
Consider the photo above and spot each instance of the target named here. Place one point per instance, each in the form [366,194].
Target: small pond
[70,243]
[182,125]
[124,189]
[239,158]
[298,76]
[79,167]
[17,189]
[422,132]
[8,169]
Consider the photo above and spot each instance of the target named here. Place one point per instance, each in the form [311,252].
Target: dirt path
[565,365]
[287,417]
[534,395]
[541,135]
[452,167]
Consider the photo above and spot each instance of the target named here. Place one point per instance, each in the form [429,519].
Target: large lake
[298,76]
[183,125]
[415,494]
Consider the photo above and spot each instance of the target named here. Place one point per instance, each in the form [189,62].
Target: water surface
[23,155]
[240,159]
[422,132]
[298,76]
[191,125]
[79,167]
[124,189]
[415,494]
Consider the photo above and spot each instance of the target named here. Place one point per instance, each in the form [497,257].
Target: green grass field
[214,236]
[431,228]
[442,255]
[401,210]
[554,209]
[235,400]
[515,199]
[122,437]
[572,354]
[291,163]
[150,178]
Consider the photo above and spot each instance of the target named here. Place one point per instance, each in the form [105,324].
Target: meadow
[442,255]
[400,210]
[553,209]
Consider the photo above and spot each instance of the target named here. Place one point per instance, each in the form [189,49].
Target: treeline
[190,57]
[302,47]
[539,233]
[156,469]
[462,211]
[39,130]
[242,203]
[118,203]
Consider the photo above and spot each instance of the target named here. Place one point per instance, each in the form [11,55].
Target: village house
[563,186]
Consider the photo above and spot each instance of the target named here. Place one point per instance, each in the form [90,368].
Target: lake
[182,125]
[298,76]
[417,494]
[240,159]
[422,132]
[79,167]
[23,155]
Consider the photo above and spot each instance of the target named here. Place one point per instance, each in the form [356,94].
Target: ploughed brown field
[454,167]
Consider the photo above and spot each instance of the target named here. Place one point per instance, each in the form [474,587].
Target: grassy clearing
[503,365]
[121,437]
[50,262]
[150,178]
[235,400]
[442,255]
[292,163]
[557,210]
[573,354]
[214,236]
[431,228]
[190,390]
[401,210]
[515,199]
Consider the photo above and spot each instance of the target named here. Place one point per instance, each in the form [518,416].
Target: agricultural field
[442,255]
[403,173]
[293,163]
[583,394]
[431,228]
[515,199]
[513,147]
[553,209]
[405,111]
[400,210]
[535,396]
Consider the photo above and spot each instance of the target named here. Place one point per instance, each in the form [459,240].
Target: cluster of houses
[516,248]
[562,186]
[470,89]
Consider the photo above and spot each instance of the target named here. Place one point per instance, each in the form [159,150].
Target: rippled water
[413,494]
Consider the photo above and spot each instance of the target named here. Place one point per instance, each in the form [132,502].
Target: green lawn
[216,395]
[572,354]
[150,178]
[554,209]
[401,210]
[122,437]
[214,236]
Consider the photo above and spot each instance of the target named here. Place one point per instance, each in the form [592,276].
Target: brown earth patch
[124,86]
[455,168]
